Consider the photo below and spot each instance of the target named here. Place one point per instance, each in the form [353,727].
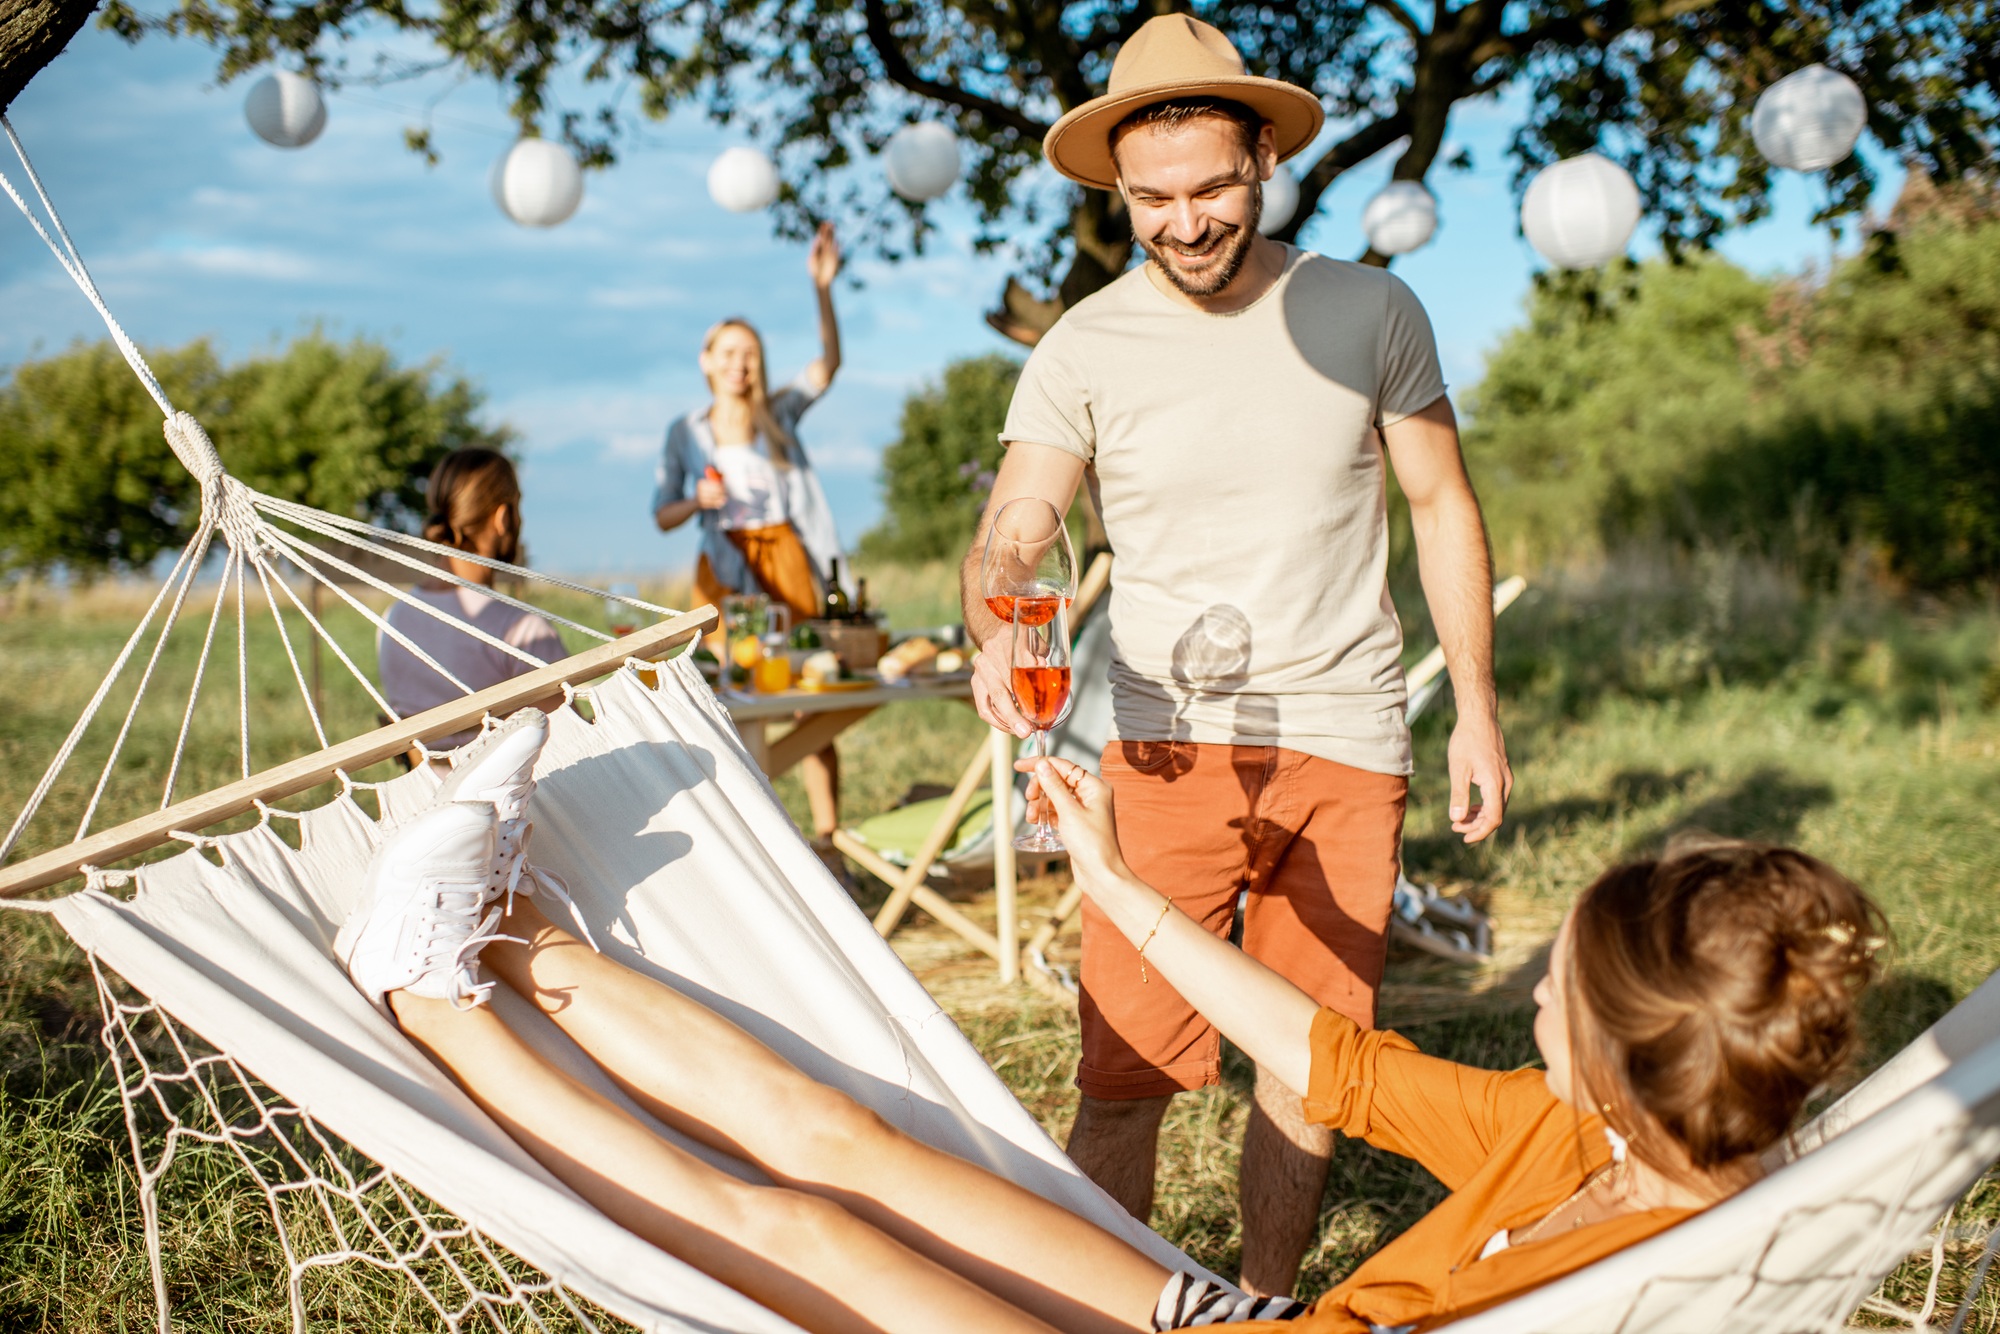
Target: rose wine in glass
[1028,566]
[1040,677]
[1034,610]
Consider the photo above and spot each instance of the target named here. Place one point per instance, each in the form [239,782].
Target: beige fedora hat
[1174,56]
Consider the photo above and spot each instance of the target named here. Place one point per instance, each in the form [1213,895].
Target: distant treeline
[88,482]
[1815,420]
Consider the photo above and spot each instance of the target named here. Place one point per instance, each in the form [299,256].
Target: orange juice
[774,674]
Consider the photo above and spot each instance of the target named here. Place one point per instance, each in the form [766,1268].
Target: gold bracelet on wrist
[1165,908]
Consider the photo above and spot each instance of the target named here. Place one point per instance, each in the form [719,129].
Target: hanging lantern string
[429,115]
[72,262]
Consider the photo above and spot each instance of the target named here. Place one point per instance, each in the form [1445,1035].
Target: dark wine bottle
[837,606]
[860,599]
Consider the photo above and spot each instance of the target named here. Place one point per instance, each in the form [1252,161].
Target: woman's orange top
[1504,1147]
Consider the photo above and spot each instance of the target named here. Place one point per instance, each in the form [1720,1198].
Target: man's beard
[1230,243]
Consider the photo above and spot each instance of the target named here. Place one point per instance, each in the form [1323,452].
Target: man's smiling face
[1195,194]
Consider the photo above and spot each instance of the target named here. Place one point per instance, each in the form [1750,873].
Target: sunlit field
[1645,699]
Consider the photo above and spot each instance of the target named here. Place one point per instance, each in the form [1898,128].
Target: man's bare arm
[1457,568]
[1028,470]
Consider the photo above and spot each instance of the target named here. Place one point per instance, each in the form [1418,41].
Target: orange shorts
[1315,844]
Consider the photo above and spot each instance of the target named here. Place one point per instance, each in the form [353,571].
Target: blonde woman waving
[737,466]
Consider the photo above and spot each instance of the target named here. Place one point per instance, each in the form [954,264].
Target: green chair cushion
[899,834]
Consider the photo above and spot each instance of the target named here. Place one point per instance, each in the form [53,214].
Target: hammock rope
[256,532]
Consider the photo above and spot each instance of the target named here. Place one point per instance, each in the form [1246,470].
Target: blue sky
[584,337]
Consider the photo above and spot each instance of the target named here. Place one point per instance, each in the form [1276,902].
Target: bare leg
[820,773]
[1285,1161]
[710,1080]
[1116,1142]
[801,1256]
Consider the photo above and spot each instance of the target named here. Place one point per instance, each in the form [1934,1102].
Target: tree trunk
[32,33]
[1103,238]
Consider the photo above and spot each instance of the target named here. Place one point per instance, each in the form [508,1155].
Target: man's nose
[1185,222]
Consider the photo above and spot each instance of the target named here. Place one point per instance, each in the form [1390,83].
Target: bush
[1698,404]
[936,475]
[88,483]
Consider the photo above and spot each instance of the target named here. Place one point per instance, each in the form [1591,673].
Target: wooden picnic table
[815,717]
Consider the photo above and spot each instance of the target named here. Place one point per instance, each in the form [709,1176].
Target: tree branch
[897,66]
[32,33]
[1402,17]
[1350,152]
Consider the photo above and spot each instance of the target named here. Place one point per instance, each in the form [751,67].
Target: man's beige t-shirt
[1236,461]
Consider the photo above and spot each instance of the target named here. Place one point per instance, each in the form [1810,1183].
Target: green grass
[1644,700]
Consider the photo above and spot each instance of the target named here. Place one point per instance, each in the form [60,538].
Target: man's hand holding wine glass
[993,685]
[1027,575]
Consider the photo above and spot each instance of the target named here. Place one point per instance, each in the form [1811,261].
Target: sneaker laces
[514,874]
[449,944]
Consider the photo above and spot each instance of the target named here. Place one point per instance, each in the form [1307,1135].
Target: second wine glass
[1028,559]
[1040,680]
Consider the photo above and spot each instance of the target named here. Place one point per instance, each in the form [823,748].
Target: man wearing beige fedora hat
[1230,403]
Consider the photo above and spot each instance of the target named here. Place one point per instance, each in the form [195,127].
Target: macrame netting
[330,1207]
[1798,1251]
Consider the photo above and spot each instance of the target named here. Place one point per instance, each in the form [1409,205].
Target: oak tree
[1663,86]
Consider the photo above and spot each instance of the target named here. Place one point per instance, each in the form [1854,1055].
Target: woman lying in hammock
[1691,1006]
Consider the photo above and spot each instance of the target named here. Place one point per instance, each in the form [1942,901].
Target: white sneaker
[499,768]
[419,925]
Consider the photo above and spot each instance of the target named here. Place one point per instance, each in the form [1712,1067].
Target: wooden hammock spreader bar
[197,813]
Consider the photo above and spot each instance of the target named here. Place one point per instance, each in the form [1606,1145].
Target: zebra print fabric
[1189,1303]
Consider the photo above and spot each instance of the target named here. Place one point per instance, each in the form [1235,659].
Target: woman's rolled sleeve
[1378,1087]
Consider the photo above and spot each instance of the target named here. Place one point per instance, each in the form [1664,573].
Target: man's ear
[1267,151]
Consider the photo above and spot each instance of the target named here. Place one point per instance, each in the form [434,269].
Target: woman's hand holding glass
[1079,804]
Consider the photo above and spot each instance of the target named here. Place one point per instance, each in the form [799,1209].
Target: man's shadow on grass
[1768,804]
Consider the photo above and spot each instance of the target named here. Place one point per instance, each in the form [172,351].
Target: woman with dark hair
[475,506]
[1691,1006]
[737,465]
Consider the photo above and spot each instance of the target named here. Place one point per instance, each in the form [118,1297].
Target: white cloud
[846,457]
[246,262]
[654,297]
[625,423]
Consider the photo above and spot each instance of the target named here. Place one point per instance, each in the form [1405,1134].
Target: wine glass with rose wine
[1028,560]
[1040,681]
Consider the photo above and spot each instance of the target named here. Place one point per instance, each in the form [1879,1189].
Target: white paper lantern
[1809,120]
[1401,217]
[1580,212]
[1281,200]
[537,183]
[922,161]
[285,109]
[743,180]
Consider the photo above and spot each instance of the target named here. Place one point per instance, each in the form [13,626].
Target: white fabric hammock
[686,867]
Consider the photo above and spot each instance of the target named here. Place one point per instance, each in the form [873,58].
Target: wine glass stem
[1045,828]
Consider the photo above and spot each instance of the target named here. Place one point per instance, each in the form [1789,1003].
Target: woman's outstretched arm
[1259,1011]
[823,262]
